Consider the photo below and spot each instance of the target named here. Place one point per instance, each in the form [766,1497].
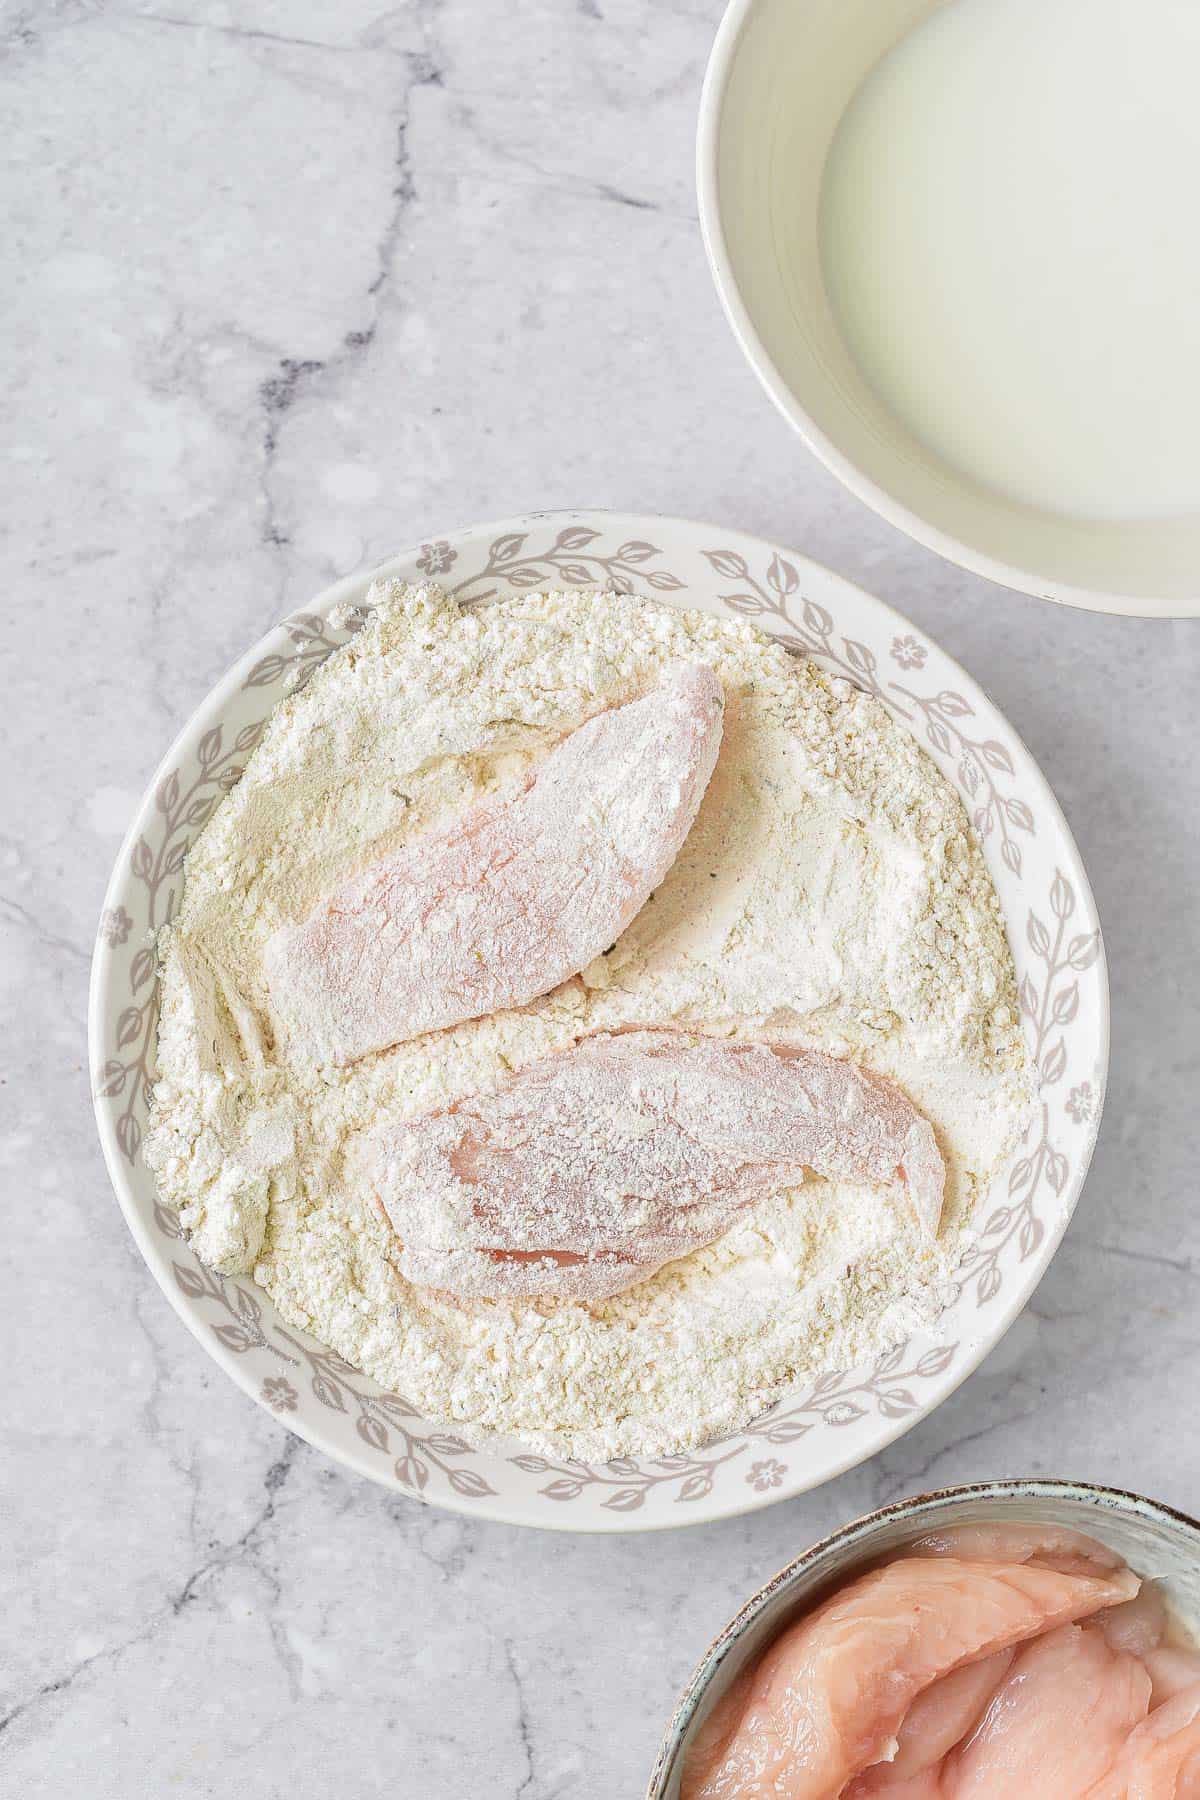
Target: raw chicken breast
[1161,1759]
[1051,1546]
[925,1785]
[1171,1670]
[830,1695]
[512,899]
[1139,1626]
[936,1721]
[1054,1725]
[590,1170]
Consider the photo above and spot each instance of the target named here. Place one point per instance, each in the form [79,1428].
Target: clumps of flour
[830,893]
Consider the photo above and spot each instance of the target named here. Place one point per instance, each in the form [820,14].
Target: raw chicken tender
[829,1697]
[1161,1759]
[1139,1626]
[513,898]
[1054,1725]
[1171,1670]
[1053,1546]
[592,1169]
[937,1720]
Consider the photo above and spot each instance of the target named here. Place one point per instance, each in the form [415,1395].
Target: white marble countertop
[292,284]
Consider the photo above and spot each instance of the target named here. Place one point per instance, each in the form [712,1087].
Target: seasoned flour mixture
[830,893]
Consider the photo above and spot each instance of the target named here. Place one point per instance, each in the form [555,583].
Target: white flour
[830,892]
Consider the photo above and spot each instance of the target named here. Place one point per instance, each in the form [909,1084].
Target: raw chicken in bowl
[1023,1637]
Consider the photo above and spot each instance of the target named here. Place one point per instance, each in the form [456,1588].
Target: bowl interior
[783,73]
[1161,1545]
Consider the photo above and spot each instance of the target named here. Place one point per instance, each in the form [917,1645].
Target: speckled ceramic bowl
[1157,1542]
[816,1431]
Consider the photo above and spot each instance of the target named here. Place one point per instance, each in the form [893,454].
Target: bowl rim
[859,1531]
[955,550]
[346,590]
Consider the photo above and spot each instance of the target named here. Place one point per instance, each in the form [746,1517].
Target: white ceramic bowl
[1157,1542]
[779,79]
[813,1433]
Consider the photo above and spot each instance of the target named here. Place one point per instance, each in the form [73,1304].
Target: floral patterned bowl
[1157,1542]
[812,1433]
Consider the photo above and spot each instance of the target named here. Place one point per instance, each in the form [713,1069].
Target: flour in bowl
[829,894]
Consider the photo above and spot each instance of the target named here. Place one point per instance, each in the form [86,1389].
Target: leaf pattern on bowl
[574,559]
[1049,1009]
[1055,938]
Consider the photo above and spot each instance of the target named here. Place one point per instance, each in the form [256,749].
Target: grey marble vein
[290,285]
